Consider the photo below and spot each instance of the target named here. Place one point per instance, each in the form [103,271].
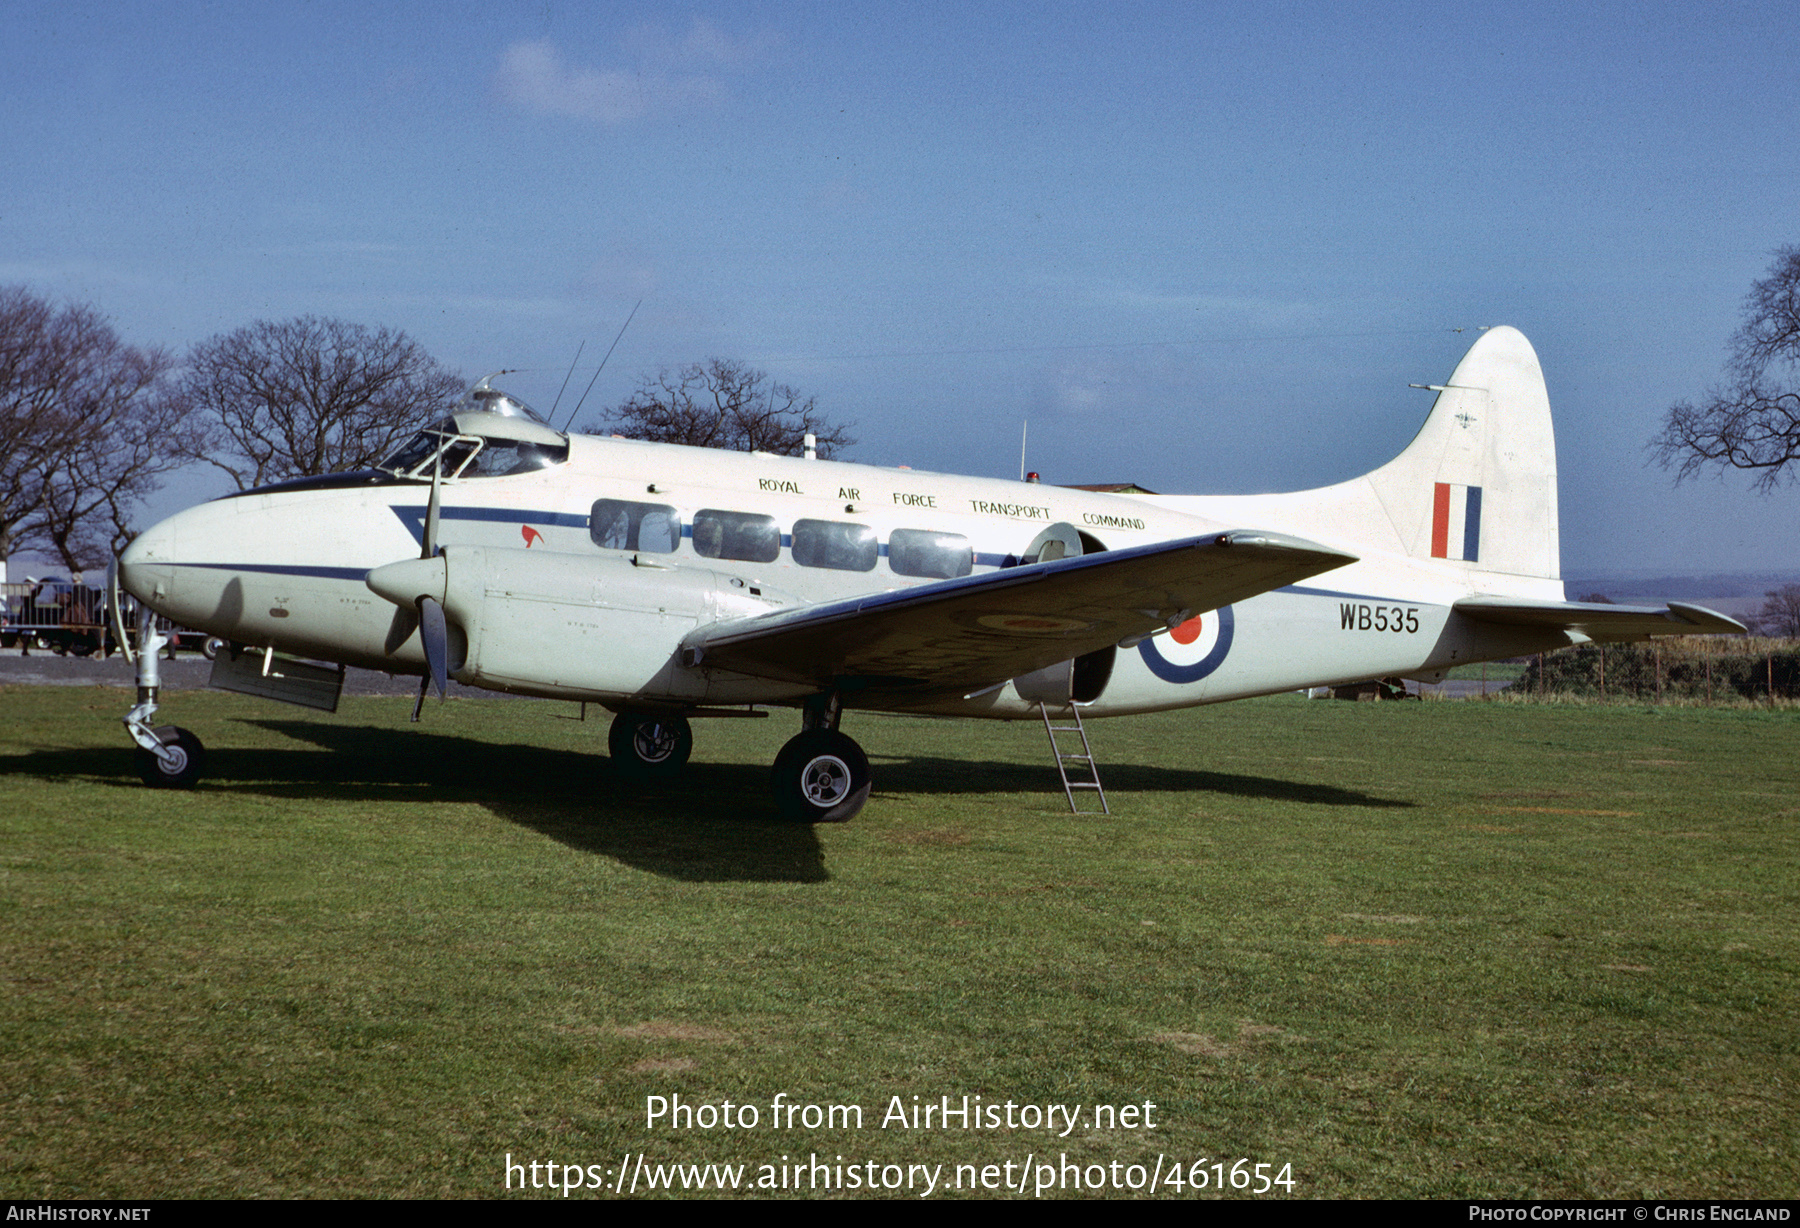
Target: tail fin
[1477,485]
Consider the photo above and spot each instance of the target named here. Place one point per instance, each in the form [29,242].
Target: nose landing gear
[168,756]
[179,762]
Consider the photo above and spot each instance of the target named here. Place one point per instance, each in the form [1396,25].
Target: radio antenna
[602,366]
[565,384]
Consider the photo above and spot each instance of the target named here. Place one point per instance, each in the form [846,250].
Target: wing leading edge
[1598,621]
[980,630]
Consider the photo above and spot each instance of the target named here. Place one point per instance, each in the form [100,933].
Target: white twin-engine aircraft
[670,583]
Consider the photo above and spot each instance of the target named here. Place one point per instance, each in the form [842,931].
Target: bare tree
[1780,614]
[88,425]
[310,396]
[726,404]
[1753,420]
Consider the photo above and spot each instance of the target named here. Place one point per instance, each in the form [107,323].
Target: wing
[980,630]
[1598,621]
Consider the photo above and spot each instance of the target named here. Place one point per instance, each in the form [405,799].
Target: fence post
[1657,663]
[1603,672]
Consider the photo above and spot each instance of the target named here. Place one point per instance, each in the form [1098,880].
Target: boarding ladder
[1083,759]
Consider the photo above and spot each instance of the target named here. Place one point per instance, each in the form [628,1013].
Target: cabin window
[932,555]
[836,545]
[736,535]
[654,528]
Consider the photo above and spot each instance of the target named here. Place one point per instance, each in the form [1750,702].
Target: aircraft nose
[144,565]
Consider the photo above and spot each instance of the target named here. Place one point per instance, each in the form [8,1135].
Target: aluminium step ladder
[1083,759]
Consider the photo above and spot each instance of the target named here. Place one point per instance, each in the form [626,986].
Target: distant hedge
[1689,668]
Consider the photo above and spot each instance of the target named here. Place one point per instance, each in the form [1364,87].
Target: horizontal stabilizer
[1600,621]
[983,629]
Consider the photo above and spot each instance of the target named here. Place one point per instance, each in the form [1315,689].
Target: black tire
[212,648]
[190,759]
[821,776]
[650,747]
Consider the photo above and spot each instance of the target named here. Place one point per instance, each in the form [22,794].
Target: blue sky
[1203,247]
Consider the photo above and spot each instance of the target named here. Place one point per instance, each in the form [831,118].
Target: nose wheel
[650,747]
[821,776]
[179,764]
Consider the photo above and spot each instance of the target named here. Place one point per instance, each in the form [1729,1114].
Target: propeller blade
[400,628]
[431,509]
[435,637]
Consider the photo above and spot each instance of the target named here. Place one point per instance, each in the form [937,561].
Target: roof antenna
[565,384]
[602,366]
[1024,429]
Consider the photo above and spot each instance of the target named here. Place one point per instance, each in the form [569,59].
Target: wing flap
[983,629]
[1599,621]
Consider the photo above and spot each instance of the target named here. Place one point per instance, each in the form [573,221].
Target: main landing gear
[820,776]
[650,747]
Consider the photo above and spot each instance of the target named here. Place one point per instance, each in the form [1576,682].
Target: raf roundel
[1192,650]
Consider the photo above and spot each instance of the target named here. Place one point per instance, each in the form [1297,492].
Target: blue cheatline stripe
[1472,526]
[413,517]
[280,569]
[1304,591]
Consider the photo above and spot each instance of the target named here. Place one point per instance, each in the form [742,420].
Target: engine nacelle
[543,623]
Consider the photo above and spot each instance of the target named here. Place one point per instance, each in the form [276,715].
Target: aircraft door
[1060,541]
[1081,679]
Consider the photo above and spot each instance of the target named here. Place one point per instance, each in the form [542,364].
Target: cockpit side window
[416,452]
[470,456]
[504,457]
[653,528]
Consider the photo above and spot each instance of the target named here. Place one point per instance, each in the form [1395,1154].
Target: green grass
[1413,950]
[1493,671]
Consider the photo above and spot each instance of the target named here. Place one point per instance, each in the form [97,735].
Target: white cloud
[667,75]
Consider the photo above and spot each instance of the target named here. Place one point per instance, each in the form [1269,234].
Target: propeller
[432,632]
[416,587]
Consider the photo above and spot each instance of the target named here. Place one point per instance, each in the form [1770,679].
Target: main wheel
[184,765]
[821,776]
[650,746]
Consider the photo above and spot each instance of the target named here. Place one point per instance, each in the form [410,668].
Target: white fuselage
[286,569]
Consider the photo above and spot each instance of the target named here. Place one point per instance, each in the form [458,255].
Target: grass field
[1409,950]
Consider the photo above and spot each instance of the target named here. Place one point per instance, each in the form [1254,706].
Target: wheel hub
[826,781]
[654,742]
